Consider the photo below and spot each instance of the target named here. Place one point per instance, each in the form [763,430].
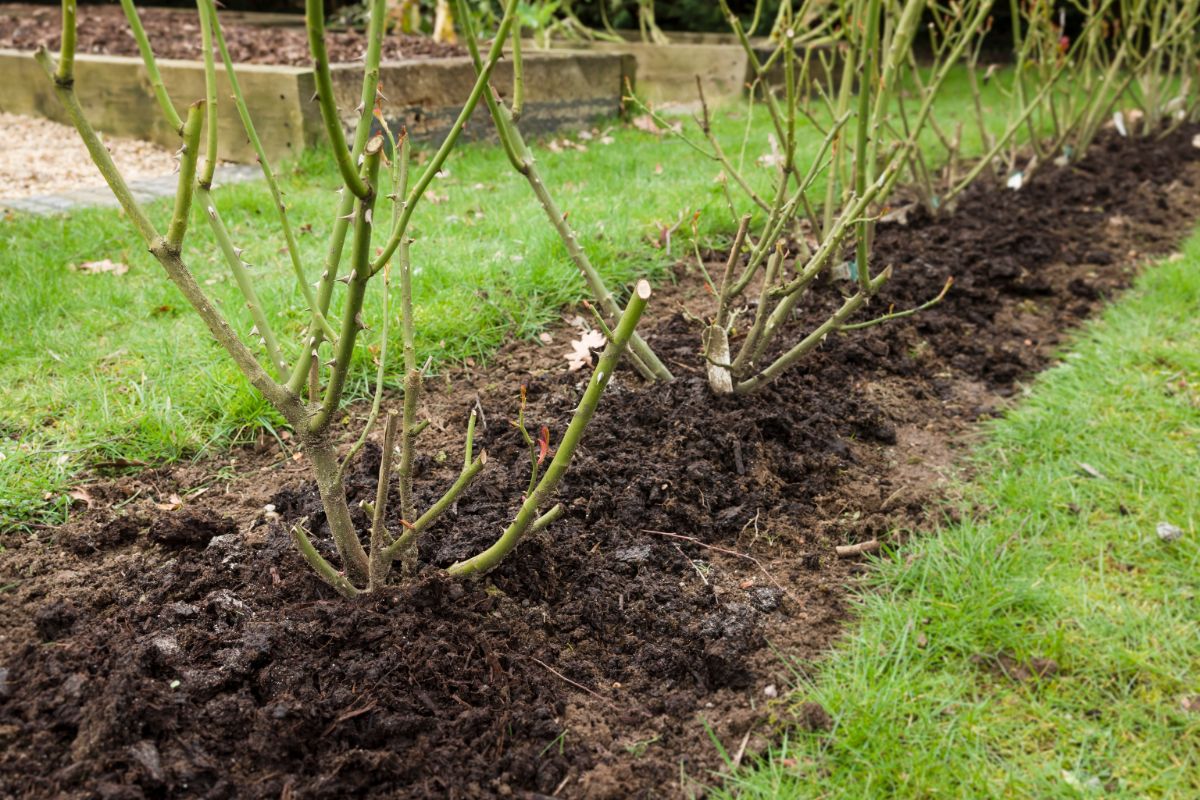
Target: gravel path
[45,169]
[40,157]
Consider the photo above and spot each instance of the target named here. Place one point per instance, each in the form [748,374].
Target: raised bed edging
[667,73]
[563,89]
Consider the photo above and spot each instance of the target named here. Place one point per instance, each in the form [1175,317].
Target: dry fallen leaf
[774,158]
[81,495]
[580,354]
[173,502]
[646,123]
[101,266]
[1168,532]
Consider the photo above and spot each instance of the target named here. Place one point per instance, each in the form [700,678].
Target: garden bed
[175,34]
[162,645]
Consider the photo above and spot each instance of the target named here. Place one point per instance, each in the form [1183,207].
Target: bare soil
[175,33]
[151,650]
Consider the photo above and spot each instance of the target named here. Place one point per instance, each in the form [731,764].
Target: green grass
[1051,563]
[111,369]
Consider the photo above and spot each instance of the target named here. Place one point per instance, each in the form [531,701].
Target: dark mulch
[175,33]
[188,652]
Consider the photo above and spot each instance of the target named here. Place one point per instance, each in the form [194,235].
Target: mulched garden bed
[153,650]
[175,34]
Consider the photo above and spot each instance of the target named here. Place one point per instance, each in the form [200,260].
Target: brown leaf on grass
[646,123]
[773,158]
[102,266]
[580,354]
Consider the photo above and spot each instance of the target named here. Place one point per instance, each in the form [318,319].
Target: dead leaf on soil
[580,354]
[102,266]
[173,503]
[82,496]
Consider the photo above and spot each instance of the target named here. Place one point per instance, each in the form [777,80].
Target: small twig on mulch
[851,550]
[347,715]
[581,687]
[727,552]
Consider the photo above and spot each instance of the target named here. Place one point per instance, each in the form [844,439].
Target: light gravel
[40,157]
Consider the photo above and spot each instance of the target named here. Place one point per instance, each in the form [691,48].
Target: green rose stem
[527,517]
[156,81]
[439,158]
[208,9]
[314,17]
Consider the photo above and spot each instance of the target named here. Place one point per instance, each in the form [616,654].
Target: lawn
[1049,644]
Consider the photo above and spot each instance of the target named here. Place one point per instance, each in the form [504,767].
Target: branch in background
[521,157]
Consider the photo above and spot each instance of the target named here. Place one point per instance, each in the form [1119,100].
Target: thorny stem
[439,158]
[188,155]
[360,258]
[156,81]
[262,326]
[378,562]
[518,103]
[170,259]
[314,15]
[866,80]
[380,373]
[210,96]
[239,99]
[65,74]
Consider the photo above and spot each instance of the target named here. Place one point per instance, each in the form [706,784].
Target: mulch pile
[176,34]
[155,651]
